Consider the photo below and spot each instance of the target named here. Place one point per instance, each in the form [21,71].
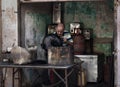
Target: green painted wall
[35,20]
[41,22]
[98,16]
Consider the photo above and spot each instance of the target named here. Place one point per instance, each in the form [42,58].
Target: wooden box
[60,55]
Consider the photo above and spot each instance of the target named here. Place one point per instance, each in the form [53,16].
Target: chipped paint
[103,48]
[92,15]
[9,24]
[35,22]
[37,33]
[98,16]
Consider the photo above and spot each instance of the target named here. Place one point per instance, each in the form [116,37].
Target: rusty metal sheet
[60,56]
[9,24]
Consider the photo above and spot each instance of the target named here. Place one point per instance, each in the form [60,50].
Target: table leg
[2,79]
[13,78]
[4,72]
[66,79]
[19,78]
[62,79]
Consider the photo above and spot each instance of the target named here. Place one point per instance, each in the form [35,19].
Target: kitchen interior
[96,22]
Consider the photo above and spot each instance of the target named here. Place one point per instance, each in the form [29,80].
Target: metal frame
[17,69]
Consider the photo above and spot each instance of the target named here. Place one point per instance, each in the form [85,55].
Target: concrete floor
[96,85]
[88,85]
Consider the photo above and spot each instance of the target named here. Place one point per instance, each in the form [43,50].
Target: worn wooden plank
[103,40]
[29,1]
[0,46]
[117,50]
[0,27]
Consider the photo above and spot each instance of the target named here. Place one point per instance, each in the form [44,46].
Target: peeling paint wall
[35,19]
[9,30]
[9,24]
[98,16]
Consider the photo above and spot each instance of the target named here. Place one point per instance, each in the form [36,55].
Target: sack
[20,55]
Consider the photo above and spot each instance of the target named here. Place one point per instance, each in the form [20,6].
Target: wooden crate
[60,55]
